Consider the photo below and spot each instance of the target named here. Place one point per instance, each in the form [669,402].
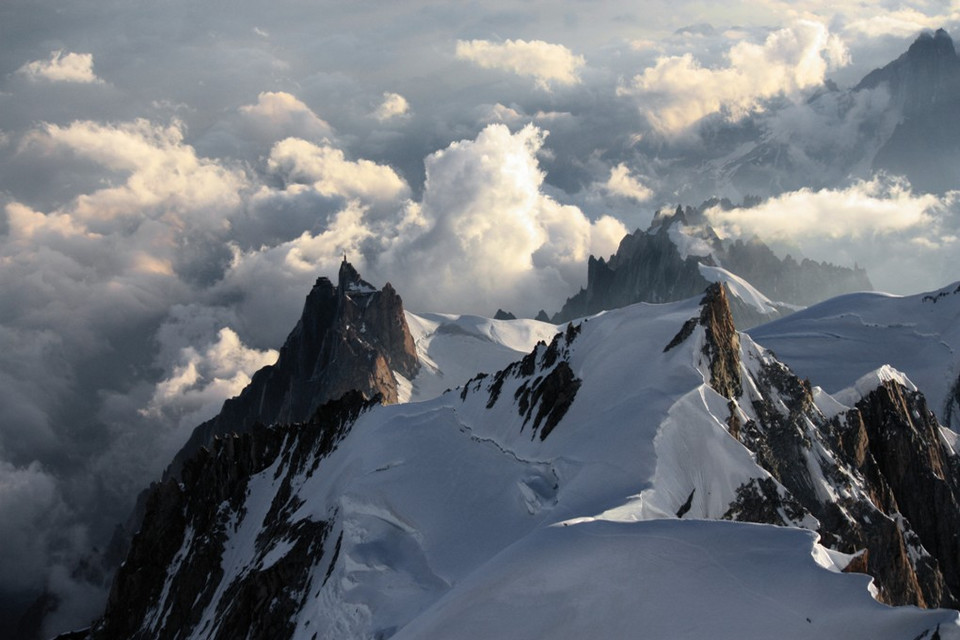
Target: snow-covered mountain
[838,341]
[680,254]
[648,469]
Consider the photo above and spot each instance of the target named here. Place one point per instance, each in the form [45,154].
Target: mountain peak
[352,337]
[927,74]
[349,280]
[938,44]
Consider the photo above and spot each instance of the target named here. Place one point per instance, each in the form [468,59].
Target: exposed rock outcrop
[351,336]
[877,478]
[892,485]
[170,580]
[546,385]
[722,345]
[904,441]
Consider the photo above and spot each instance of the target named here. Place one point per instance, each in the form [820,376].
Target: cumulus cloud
[545,62]
[62,67]
[678,91]
[326,169]
[393,106]
[280,114]
[621,183]
[491,236]
[163,174]
[484,235]
[203,379]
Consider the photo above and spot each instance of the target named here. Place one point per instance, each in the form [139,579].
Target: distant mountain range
[900,119]
[680,254]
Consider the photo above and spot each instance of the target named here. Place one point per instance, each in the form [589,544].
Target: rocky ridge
[291,530]
[350,337]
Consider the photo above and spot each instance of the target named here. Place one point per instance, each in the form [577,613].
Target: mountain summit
[350,337]
[924,85]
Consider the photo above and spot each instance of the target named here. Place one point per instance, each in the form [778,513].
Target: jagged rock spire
[351,337]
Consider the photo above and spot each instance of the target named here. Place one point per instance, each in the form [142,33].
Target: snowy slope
[743,290]
[687,579]
[543,498]
[453,348]
[838,341]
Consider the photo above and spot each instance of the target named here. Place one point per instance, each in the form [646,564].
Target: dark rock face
[174,566]
[349,337]
[905,443]
[927,74]
[894,487]
[547,385]
[893,484]
[924,85]
[648,267]
[803,283]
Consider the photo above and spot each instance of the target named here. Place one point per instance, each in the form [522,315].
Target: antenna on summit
[344,256]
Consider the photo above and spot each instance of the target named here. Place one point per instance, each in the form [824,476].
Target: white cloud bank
[678,91]
[326,169]
[280,114]
[907,242]
[203,379]
[545,62]
[62,67]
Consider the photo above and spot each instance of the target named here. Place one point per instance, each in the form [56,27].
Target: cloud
[203,379]
[491,236]
[325,169]
[545,62]
[70,67]
[621,183]
[484,235]
[394,105]
[31,504]
[907,242]
[279,114]
[163,175]
[903,23]
[868,208]
[678,91]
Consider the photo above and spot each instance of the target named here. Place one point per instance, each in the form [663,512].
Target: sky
[175,175]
